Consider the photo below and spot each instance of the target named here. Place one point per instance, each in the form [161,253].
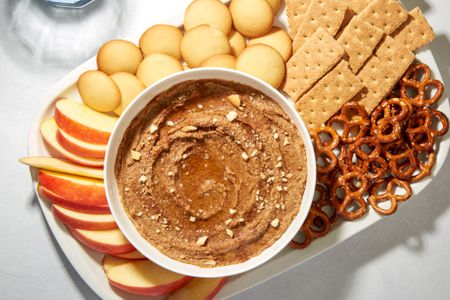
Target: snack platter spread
[88,263]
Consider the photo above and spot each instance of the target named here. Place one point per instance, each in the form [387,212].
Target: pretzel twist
[418,78]
[388,195]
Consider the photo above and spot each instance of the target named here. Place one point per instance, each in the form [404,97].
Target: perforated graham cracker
[358,5]
[295,10]
[416,32]
[312,61]
[387,15]
[359,39]
[327,14]
[383,71]
[328,95]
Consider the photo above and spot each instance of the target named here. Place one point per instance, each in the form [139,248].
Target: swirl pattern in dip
[211,172]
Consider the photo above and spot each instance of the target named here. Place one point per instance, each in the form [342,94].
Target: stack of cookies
[348,50]
[238,36]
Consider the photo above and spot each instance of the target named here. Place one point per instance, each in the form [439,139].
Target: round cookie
[98,91]
[118,56]
[156,66]
[263,62]
[275,4]
[201,43]
[210,12]
[129,87]
[237,42]
[161,39]
[220,61]
[278,39]
[252,18]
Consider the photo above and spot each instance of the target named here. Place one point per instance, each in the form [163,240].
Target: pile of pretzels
[371,160]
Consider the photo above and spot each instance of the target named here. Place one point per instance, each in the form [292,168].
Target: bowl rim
[127,226]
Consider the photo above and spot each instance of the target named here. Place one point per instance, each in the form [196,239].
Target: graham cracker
[359,39]
[358,5]
[327,14]
[328,96]
[387,15]
[320,53]
[295,10]
[383,70]
[416,32]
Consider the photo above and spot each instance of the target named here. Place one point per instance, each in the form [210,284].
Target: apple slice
[88,190]
[73,192]
[110,241]
[84,123]
[132,255]
[80,206]
[83,220]
[63,166]
[79,147]
[49,129]
[142,277]
[199,289]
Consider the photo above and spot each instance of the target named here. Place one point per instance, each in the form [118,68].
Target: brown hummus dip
[211,172]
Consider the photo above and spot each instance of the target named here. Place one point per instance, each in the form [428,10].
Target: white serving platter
[88,263]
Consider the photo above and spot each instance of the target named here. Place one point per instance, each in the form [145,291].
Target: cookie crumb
[192,219]
[275,223]
[201,241]
[135,155]
[153,128]
[235,99]
[244,156]
[229,233]
[232,115]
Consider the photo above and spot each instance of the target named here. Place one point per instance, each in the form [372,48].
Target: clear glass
[63,36]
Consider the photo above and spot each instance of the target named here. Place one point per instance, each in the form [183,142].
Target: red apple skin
[70,204]
[61,185]
[81,131]
[161,290]
[100,247]
[217,289]
[81,224]
[77,149]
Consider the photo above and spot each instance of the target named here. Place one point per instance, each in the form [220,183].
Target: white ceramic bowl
[127,226]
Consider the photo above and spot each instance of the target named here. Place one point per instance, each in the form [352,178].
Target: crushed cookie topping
[153,128]
[275,223]
[201,241]
[232,115]
[135,155]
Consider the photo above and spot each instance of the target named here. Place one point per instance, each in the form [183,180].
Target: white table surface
[405,256]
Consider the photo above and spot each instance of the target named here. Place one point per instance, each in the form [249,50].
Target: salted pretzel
[424,166]
[353,185]
[375,168]
[401,158]
[389,194]
[310,229]
[323,203]
[420,129]
[418,78]
[356,154]
[354,121]
[324,148]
